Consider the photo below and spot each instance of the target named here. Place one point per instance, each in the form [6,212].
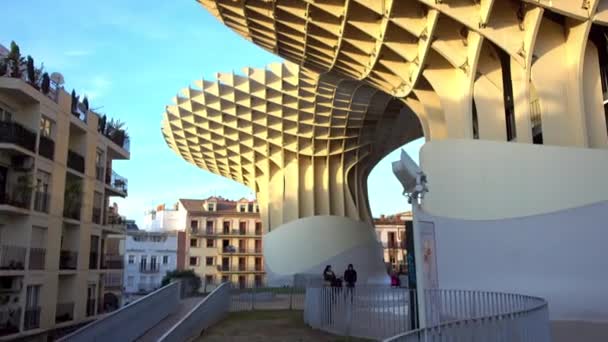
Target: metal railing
[9,320]
[31,319]
[68,260]
[383,312]
[240,268]
[117,182]
[229,232]
[12,257]
[46,147]
[18,198]
[42,201]
[240,250]
[112,262]
[37,258]
[72,209]
[482,316]
[206,313]
[75,161]
[153,268]
[140,316]
[15,133]
[243,298]
[394,244]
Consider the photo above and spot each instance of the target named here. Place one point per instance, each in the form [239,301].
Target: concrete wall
[477,180]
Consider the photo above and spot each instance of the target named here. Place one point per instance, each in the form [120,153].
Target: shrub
[192,280]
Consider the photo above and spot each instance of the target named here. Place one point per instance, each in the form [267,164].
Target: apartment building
[61,243]
[148,257]
[391,233]
[225,241]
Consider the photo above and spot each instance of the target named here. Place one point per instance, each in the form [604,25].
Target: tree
[192,280]
[15,60]
[45,84]
[85,102]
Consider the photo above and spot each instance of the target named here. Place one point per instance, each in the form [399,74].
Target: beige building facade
[225,242]
[391,233]
[61,244]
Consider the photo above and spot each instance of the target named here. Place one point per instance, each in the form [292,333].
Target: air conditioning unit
[22,163]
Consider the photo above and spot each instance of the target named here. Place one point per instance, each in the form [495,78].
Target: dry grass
[274,326]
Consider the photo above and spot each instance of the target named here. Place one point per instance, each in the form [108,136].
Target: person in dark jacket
[350,276]
[329,276]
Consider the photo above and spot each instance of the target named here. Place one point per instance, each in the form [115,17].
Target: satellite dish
[57,78]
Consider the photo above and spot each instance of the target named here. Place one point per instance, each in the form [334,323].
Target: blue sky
[131,58]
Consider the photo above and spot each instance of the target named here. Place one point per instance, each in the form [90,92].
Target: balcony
[149,270]
[68,260]
[75,161]
[9,320]
[112,262]
[42,201]
[112,281]
[12,257]
[20,199]
[64,312]
[31,319]
[37,258]
[16,134]
[72,210]
[240,250]
[240,269]
[117,183]
[46,147]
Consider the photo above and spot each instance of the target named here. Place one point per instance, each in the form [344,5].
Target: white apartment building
[148,257]
[164,219]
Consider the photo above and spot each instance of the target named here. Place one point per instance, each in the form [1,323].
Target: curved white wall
[306,245]
[487,180]
[561,257]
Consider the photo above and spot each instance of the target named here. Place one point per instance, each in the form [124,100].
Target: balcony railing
[9,320]
[19,199]
[233,232]
[37,258]
[72,210]
[14,133]
[64,312]
[117,182]
[150,269]
[75,161]
[31,318]
[68,260]
[240,268]
[97,215]
[241,250]
[93,260]
[112,262]
[42,202]
[46,147]
[12,257]
[394,245]
[113,281]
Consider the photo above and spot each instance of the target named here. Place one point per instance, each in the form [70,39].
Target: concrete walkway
[570,331]
[163,326]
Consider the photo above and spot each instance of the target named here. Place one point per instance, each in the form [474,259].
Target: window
[193,261]
[209,261]
[130,280]
[258,228]
[153,265]
[226,227]
[5,115]
[224,279]
[194,224]
[209,226]
[258,281]
[143,262]
[165,259]
[143,280]
[210,243]
[193,242]
[210,206]
[208,279]
[131,259]
[243,208]
[243,227]
[46,126]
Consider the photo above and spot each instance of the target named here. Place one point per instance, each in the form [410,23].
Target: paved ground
[273,326]
[161,328]
[570,331]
